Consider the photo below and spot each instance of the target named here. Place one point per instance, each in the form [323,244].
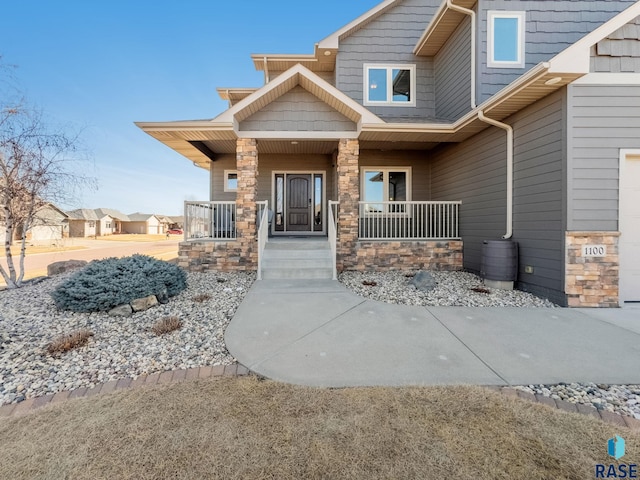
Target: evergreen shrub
[105,284]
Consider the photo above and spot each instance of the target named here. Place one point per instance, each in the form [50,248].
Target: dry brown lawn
[132,237]
[230,428]
[33,249]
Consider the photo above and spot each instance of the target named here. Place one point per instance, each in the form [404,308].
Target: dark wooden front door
[299,194]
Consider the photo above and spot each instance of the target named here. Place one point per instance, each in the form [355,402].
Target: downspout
[471,14]
[509,131]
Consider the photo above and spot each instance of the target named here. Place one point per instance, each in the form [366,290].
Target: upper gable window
[393,85]
[505,39]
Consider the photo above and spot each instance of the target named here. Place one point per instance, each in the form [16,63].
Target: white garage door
[630,227]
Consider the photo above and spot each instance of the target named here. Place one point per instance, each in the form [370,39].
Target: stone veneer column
[348,196]
[592,281]
[247,166]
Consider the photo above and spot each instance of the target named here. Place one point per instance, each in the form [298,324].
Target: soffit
[444,23]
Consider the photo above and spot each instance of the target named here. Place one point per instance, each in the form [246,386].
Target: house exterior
[83,222]
[145,223]
[425,127]
[110,221]
[50,225]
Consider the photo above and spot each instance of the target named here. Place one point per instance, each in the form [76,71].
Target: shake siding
[453,75]
[475,172]
[390,39]
[417,160]
[620,52]
[551,26]
[297,110]
[602,120]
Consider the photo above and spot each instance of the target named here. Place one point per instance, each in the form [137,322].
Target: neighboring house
[111,221]
[50,225]
[83,223]
[144,223]
[436,125]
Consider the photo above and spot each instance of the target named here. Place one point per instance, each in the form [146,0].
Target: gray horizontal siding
[391,39]
[453,74]
[602,120]
[620,52]
[551,26]
[418,161]
[267,164]
[298,110]
[475,172]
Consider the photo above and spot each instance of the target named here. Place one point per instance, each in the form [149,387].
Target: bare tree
[38,166]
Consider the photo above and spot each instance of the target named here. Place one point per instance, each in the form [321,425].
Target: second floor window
[393,85]
[505,39]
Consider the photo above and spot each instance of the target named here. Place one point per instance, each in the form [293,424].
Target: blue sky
[100,65]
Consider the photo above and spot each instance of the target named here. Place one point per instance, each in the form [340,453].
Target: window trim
[520,16]
[226,180]
[389,67]
[385,170]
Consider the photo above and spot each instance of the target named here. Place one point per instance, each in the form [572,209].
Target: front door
[298,200]
[299,203]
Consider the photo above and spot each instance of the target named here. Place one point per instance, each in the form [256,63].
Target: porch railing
[409,220]
[263,231]
[333,233]
[210,220]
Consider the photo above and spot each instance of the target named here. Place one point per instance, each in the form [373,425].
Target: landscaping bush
[104,284]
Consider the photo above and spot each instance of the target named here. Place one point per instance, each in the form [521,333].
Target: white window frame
[492,15]
[385,188]
[389,68]
[226,180]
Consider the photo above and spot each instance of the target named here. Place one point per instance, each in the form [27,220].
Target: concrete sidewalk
[317,333]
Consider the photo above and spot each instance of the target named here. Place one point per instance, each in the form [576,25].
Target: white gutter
[472,16]
[509,131]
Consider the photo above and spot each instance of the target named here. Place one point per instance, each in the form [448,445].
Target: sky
[98,66]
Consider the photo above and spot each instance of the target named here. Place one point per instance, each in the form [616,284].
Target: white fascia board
[577,57]
[333,40]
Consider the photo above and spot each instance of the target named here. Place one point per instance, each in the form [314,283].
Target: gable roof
[83,214]
[141,217]
[443,24]
[115,214]
[298,75]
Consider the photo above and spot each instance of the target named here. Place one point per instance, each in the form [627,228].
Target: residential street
[36,264]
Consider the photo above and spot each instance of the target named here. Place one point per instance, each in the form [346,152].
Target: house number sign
[594,250]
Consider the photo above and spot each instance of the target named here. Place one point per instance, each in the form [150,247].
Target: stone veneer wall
[406,255]
[592,281]
[241,253]
[348,196]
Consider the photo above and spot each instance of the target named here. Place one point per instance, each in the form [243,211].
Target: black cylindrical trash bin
[499,260]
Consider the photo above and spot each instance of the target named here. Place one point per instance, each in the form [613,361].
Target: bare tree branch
[39,165]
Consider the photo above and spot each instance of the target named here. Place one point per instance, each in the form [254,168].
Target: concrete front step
[297,273]
[297,259]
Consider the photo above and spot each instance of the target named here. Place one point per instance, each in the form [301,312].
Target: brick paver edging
[604,415]
[170,376]
[237,370]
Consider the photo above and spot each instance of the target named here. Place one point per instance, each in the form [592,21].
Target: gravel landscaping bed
[120,346]
[453,289]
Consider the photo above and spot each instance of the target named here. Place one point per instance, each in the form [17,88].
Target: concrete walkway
[317,333]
